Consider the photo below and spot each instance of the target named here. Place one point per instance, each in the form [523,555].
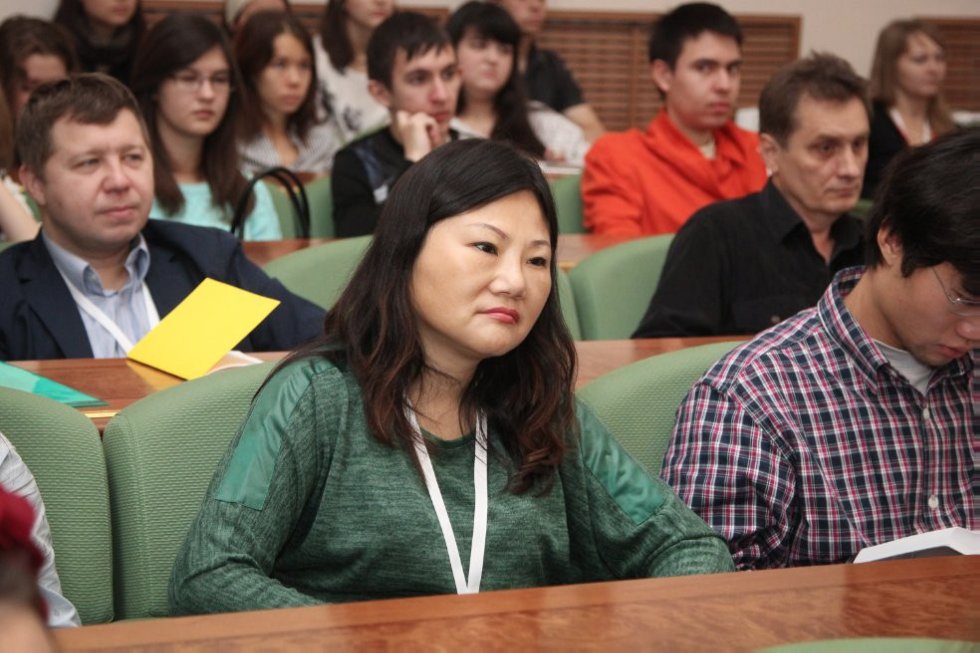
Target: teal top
[307,507]
[261,224]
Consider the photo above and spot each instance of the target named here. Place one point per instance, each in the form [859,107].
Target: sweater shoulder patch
[624,479]
[249,473]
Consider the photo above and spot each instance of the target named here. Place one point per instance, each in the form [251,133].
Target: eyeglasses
[191,82]
[959,305]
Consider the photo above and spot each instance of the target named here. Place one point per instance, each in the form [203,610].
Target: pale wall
[846,27]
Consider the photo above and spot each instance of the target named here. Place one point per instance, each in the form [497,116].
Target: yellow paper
[203,328]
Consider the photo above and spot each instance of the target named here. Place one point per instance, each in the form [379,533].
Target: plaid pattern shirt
[805,445]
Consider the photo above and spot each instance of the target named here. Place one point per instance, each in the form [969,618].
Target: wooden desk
[121,382]
[930,598]
[572,248]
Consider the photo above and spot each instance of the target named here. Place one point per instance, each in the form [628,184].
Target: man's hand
[418,133]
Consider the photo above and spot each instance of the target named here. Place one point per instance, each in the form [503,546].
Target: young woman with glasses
[186,81]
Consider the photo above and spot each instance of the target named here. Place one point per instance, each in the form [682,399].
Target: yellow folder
[193,337]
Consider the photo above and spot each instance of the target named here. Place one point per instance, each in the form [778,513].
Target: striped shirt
[805,445]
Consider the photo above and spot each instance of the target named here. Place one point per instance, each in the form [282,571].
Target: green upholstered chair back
[567,299]
[161,453]
[638,403]
[319,195]
[320,273]
[321,209]
[568,203]
[62,449]
[288,221]
[613,287]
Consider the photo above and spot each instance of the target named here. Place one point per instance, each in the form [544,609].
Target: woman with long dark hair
[107,33]
[278,125]
[341,64]
[907,77]
[492,103]
[185,80]
[436,409]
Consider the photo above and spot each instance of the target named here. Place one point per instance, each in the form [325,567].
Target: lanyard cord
[464,584]
[105,321]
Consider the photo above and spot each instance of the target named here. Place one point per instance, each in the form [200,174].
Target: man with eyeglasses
[853,423]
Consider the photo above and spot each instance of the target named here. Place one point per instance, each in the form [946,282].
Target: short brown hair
[820,76]
[85,98]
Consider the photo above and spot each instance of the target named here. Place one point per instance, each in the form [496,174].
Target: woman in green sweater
[430,441]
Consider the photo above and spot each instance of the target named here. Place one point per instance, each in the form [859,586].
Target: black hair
[492,22]
[412,32]
[688,22]
[929,201]
[525,393]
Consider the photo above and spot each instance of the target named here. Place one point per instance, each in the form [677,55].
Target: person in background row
[237,12]
[32,51]
[492,103]
[100,275]
[691,154]
[16,221]
[853,423]
[278,124]
[107,33]
[741,266]
[16,478]
[184,78]
[342,65]
[439,396]
[22,608]
[547,79]
[907,77]
[412,66]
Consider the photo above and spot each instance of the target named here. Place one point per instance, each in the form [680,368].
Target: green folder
[14,377]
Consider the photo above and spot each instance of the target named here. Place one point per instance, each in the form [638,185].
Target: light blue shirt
[126,306]
[261,224]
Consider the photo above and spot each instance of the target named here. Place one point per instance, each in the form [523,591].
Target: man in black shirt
[740,266]
[412,68]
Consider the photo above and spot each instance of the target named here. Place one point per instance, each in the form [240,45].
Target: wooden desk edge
[335,616]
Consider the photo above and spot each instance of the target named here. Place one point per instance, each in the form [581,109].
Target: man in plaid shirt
[853,423]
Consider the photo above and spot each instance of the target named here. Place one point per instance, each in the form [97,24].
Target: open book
[948,541]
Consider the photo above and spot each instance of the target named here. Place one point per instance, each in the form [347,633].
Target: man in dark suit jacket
[99,275]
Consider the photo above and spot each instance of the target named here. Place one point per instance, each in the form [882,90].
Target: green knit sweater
[307,507]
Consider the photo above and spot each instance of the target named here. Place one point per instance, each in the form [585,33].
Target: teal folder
[14,377]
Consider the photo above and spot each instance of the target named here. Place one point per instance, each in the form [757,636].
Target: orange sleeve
[611,203]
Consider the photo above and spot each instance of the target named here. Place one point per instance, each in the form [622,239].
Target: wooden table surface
[927,598]
[572,248]
[120,382]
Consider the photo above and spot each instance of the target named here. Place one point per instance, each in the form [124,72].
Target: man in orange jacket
[691,154]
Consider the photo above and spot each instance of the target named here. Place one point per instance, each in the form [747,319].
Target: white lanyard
[99,315]
[478,543]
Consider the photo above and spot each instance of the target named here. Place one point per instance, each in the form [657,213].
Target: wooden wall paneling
[607,52]
[962,87]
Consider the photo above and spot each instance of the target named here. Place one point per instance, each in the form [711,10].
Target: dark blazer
[39,318]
